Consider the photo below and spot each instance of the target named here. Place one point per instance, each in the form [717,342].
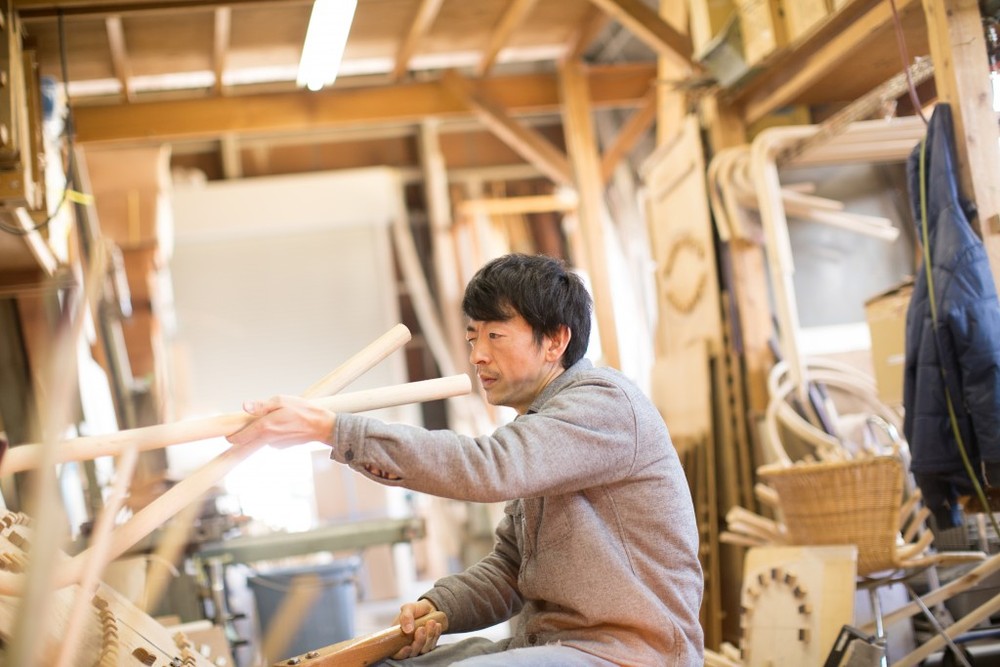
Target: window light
[326,37]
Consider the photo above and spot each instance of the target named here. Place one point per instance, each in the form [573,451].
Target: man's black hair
[539,288]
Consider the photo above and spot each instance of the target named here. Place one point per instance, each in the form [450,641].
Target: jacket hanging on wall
[960,351]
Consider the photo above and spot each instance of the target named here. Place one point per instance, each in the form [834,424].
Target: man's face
[511,366]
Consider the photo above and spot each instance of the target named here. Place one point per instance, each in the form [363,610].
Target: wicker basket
[843,502]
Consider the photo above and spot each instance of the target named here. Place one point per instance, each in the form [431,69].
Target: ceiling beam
[581,40]
[629,135]
[220,45]
[421,24]
[525,141]
[511,20]
[299,111]
[643,22]
[49,9]
[119,55]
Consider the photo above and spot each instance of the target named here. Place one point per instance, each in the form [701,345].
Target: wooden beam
[527,142]
[220,44]
[958,50]
[511,20]
[581,40]
[119,55]
[643,22]
[421,24]
[49,9]
[582,144]
[232,160]
[795,72]
[611,86]
[559,202]
[629,135]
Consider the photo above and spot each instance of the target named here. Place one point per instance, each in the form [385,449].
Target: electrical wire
[905,57]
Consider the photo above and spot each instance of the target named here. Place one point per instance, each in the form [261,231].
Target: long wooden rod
[25,457]
[161,509]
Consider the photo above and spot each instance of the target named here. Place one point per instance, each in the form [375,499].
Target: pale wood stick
[369,649]
[168,553]
[161,509]
[60,383]
[26,457]
[98,559]
[303,592]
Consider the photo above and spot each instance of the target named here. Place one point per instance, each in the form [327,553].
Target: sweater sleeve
[486,593]
[584,437]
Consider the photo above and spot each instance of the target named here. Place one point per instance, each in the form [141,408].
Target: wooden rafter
[528,143]
[587,33]
[119,54]
[232,161]
[220,45]
[512,18]
[611,86]
[522,205]
[421,24]
[630,133]
[643,22]
[578,126]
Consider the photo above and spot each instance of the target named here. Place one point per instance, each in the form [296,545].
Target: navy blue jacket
[962,354]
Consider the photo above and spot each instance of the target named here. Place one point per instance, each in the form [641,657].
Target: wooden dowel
[26,457]
[369,649]
[157,512]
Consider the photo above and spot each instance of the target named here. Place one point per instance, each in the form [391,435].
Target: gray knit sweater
[598,546]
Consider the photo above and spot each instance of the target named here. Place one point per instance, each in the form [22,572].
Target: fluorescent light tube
[326,37]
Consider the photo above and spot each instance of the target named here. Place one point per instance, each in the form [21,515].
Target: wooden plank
[582,144]
[959,52]
[586,34]
[220,45]
[646,25]
[515,14]
[846,37]
[527,142]
[449,285]
[611,86]
[421,24]
[119,55]
[629,135]
[521,205]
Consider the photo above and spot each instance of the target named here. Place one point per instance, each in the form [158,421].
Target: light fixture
[326,37]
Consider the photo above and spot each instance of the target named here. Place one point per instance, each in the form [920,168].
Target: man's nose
[477,354]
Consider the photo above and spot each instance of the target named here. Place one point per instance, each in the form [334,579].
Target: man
[598,547]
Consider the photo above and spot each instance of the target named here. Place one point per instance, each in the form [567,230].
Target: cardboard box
[117,169]
[136,218]
[886,315]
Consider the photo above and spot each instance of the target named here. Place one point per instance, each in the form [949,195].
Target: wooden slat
[518,205]
[527,142]
[959,53]
[646,24]
[582,144]
[629,135]
[119,55]
[586,34]
[618,85]
[512,18]
[223,22]
[422,22]
[848,35]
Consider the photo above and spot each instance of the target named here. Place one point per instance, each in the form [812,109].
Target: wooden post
[582,147]
[961,72]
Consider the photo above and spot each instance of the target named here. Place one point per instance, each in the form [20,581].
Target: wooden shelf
[843,58]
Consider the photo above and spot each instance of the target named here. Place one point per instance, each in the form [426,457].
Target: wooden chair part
[365,650]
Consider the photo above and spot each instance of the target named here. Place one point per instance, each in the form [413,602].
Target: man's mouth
[487,381]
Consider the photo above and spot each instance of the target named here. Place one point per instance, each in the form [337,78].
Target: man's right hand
[425,638]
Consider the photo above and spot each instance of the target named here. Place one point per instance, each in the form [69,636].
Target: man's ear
[558,342]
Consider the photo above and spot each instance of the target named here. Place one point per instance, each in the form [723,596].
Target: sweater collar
[560,381]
